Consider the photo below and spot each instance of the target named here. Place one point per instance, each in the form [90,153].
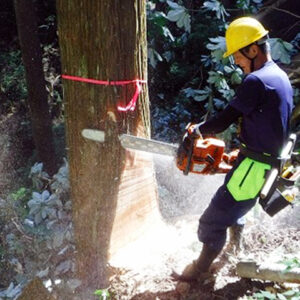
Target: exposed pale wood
[272,272]
[135,214]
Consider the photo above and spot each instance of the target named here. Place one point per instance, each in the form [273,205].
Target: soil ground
[144,269]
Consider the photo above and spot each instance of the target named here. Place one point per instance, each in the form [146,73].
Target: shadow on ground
[232,291]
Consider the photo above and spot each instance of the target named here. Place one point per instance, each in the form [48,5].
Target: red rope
[131,105]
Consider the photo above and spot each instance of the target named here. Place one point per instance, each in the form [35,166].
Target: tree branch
[295,81]
[267,9]
[273,272]
[286,11]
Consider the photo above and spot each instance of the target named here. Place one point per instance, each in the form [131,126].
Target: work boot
[198,270]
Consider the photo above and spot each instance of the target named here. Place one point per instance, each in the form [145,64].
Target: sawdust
[151,279]
[144,269]
[181,195]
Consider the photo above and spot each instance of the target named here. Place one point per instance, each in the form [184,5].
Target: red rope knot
[132,103]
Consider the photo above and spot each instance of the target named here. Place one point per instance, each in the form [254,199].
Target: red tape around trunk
[131,105]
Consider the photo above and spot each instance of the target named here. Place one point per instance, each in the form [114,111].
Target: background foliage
[189,81]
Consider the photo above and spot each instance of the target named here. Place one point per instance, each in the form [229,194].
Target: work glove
[187,143]
[231,157]
[194,130]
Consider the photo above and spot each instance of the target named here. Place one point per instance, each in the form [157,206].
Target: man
[263,103]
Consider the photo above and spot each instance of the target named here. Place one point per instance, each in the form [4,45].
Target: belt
[261,157]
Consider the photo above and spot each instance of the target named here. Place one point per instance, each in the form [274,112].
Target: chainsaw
[194,154]
[207,156]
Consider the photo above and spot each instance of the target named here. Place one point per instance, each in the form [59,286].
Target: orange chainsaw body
[206,158]
[203,156]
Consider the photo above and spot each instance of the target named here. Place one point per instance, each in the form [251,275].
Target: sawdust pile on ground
[151,278]
[174,244]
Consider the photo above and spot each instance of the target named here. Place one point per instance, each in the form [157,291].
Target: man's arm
[221,121]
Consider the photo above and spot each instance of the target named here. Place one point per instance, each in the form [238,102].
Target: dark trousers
[222,212]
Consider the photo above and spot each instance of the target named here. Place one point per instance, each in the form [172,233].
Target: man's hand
[186,147]
[194,131]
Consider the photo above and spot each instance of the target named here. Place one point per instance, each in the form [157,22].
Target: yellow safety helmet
[243,32]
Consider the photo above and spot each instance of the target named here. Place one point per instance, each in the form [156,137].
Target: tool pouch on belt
[248,179]
[261,174]
[278,193]
[281,194]
[275,201]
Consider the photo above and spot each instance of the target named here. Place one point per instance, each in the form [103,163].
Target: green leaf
[289,293]
[189,92]
[181,17]
[281,50]
[268,295]
[288,46]
[258,296]
[236,78]
[173,4]
[38,218]
[228,69]
[187,22]
[34,209]
[291,263]
[200,98]
[281,297]
[217,55]
[217,7]
[103,294]
[19,194]
[197,95]
[175,15]
[153,57]
[227,94]
[168,55]
[167,33]
[210,5]
[218,103]
[217,43]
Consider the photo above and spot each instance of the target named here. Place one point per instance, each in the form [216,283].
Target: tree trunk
[36,85]
[113,190]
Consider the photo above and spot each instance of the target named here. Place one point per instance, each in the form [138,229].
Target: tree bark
[37,96]
[113,190]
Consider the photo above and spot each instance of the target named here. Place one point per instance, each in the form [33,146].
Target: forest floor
[173,244]
[152,279]
[143,270]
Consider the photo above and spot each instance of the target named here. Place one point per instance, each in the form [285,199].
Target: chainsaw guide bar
[134,142]
[142,144]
